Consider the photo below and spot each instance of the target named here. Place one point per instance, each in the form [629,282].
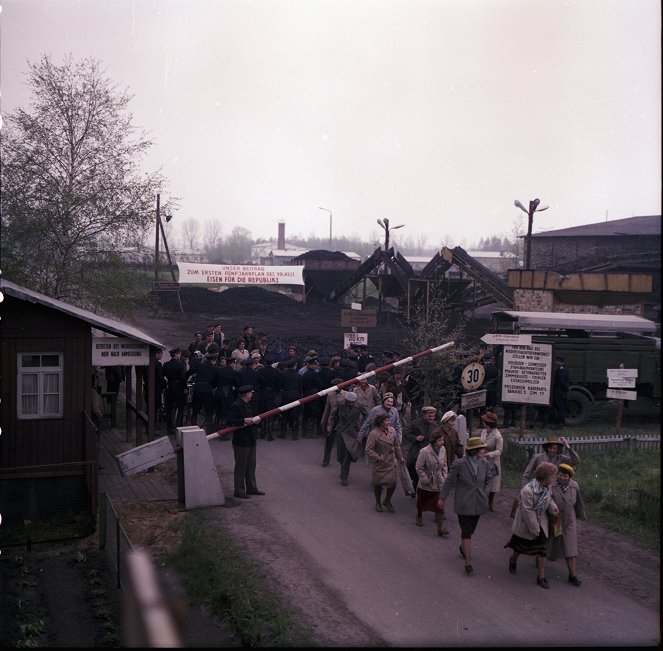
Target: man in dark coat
[268,393]
[245,443]
[560,389]
[291,385]
[224,395]
[203,392]
[248,374]
[175,374]
[311,411]
[417,436]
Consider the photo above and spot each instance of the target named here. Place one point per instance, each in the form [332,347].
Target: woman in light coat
[431,466]
[529,532]
[492,437]
[384,449]
[566,494]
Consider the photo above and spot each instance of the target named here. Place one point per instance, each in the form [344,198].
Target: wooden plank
[145,456]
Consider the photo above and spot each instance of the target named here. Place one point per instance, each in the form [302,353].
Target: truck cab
[591,344]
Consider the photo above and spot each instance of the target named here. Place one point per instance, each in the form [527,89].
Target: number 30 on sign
[472,376]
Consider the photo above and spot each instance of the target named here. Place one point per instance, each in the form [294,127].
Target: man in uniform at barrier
[245,443]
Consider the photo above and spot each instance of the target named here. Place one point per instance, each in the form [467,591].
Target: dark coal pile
[307,325]
[244,299]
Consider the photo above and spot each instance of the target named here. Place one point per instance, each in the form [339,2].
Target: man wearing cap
[203,392]
[268,390]
[224,395]
[248,374]
[560,389]
[311,411]
[566,494]
[344,422]
[469,478]
[197,340]
[364,357]
[174,373]
[291,391]
[245,443]
[417,436]
[552,453]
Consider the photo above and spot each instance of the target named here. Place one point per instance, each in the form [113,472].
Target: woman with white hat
[469,479]
[452,443]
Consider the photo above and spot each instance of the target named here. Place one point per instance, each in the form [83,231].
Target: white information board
[354,338]
[527,374]
[119,351]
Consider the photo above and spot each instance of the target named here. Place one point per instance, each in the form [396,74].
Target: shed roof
[100,323]
[590,322]
[648,225]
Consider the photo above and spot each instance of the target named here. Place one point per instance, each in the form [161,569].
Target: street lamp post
[533,207]
[385,224]
[330,225]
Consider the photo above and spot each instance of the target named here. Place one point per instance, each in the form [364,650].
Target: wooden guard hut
[49,444]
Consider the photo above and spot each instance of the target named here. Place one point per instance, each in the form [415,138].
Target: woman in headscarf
[384,449]
[431,469]
[529,532]
[566,494]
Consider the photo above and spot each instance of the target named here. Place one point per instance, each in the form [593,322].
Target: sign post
[527,376]
[472,378]
[619,379]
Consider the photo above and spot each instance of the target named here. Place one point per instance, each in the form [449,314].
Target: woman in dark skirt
[530,524]
[432,470]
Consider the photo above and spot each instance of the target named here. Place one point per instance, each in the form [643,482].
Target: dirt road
[315,537]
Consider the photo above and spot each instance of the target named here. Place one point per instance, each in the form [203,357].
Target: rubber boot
[491,497]
[378,498]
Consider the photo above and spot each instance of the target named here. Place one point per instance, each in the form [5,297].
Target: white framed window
[39,390]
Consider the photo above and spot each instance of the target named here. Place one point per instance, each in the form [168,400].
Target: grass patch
[217,574]
[620,488]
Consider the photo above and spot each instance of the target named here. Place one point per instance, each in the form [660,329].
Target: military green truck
[591,344]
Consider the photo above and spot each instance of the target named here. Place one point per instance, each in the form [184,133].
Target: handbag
[405,480]
[555,523]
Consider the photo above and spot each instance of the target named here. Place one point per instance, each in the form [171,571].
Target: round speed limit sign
[473,375]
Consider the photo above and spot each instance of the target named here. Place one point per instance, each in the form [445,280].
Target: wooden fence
[520,451]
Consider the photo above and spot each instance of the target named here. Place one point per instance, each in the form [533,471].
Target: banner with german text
[232,274]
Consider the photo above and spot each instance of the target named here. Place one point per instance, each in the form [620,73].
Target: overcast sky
[436,114]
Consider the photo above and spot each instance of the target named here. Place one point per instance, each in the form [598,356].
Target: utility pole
[533,207]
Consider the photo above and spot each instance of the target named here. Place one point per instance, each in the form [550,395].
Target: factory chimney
[280,243]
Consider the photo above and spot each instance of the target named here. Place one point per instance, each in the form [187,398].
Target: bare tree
[212,234]
[191,229]
[73,193]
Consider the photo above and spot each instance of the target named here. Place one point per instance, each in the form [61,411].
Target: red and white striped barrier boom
[324,392]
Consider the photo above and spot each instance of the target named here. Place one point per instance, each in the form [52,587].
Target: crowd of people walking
[230,384]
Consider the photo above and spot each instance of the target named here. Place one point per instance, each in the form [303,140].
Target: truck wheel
[578,408]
